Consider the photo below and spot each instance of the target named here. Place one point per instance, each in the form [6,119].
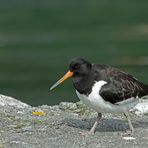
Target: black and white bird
[104,88]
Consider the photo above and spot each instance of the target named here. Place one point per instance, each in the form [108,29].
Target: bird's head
[78,67]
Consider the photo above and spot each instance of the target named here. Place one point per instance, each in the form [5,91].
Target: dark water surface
[38,38]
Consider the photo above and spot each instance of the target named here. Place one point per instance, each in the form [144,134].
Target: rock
[61,124]
[141,108]
[11,102]
[67,106]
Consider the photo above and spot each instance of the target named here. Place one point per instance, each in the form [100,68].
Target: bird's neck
[84,84]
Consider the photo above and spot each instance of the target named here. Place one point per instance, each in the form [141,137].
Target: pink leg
[92,130]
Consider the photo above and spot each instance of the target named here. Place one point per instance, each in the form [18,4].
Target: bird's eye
[77,66]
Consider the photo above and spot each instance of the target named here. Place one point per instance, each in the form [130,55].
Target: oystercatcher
[104,88]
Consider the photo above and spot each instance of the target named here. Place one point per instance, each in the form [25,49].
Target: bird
[105,89]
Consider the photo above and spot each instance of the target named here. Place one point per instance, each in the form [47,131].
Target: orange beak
[66,76]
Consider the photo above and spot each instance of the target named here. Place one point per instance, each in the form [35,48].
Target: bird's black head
[80,67]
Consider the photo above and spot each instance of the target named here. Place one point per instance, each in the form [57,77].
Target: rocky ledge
[23,126]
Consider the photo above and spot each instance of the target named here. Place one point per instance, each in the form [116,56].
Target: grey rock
[141,108]
[11,102]
[60,127]
[67,106]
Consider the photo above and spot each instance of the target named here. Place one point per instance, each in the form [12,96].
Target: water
[37,40]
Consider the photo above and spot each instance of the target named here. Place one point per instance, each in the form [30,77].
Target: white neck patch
[97,86]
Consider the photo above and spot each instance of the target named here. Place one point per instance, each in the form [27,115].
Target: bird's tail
[144,91]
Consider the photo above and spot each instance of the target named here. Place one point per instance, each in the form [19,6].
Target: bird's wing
[121,86]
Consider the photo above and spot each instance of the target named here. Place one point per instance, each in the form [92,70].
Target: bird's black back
[120,85]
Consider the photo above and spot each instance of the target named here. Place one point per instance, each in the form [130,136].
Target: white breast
[95,101]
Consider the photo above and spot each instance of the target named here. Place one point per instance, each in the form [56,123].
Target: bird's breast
[96,102]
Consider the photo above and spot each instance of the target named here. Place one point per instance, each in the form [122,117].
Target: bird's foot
[88,133]
[127,133]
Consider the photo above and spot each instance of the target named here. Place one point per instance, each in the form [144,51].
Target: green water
[38,38]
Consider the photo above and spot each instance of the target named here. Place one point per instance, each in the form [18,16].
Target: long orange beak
[66,76]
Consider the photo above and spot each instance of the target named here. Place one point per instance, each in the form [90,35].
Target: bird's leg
[131,131]
[92,130]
